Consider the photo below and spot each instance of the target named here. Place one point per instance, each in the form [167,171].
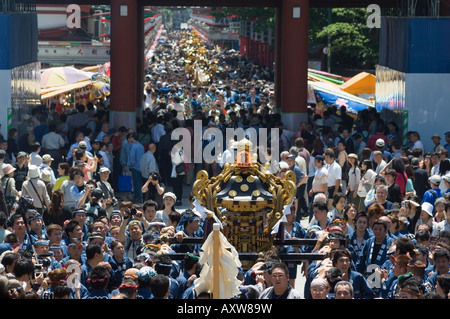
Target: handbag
[9,199]
[125,183]
[183,167]
[363,189]
[180,168]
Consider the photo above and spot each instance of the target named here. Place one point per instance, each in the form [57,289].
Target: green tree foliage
[353,43]
[264,17]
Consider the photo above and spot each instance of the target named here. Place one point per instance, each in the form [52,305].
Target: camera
[43,262]
[131,212]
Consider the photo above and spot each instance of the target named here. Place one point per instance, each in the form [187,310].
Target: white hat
[379,142]
[46,175]
[33,171]
[284,165]
[428,208]
[435,179]
[447,178]
[104,169]
[170,194]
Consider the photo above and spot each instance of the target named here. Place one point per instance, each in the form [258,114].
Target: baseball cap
[379,142]
[21,154]
[82,144]
[97,193]
[319,158]
[435,179]
[47,158]
[447,178]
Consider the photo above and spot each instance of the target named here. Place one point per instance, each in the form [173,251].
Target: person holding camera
[130,233]
[108,192]
[45,261]
[153,189]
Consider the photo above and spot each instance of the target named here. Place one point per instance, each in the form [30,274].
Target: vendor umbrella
[61,76]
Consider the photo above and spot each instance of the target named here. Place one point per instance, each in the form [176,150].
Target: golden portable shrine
[247,199]
[199,67]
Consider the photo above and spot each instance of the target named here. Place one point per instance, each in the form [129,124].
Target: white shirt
[301,162]
[35,159]
[354,177]
[52,141]
[179,107]
[320,177]
[334,173]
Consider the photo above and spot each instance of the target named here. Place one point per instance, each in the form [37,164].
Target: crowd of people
[71,229]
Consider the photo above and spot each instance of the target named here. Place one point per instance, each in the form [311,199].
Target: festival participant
[280,288]
[375,250]
[342,260]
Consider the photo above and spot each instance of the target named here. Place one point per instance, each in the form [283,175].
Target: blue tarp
[19,39]
[415,44]
[353,104]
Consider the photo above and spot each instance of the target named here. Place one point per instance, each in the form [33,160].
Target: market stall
[67,86]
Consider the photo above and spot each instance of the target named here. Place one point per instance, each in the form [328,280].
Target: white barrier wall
[428,102]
